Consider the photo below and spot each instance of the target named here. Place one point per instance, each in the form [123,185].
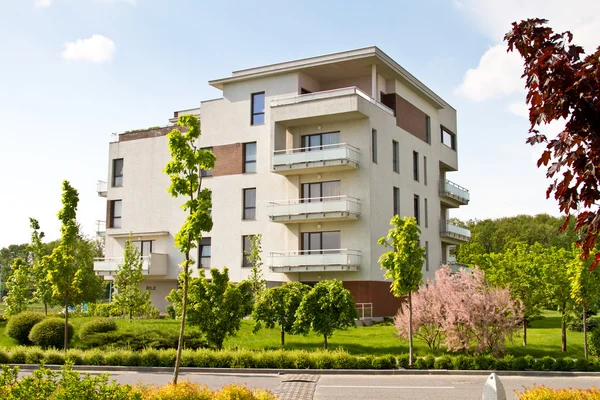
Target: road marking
[386,387]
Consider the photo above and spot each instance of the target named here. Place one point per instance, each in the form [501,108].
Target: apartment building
[316,155]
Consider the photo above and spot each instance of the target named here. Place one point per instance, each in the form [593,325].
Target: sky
[74,71]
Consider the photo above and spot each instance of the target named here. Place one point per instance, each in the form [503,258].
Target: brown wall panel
[411,119]
[376,292]
[229,159]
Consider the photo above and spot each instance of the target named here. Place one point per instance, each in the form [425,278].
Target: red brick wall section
[376,292]
[229,159]
[411,119]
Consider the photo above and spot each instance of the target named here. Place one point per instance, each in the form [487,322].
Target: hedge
[98,325]
[285,359]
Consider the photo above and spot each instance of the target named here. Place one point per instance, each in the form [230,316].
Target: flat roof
[378,56]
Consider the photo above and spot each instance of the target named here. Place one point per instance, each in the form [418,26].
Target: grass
[543,338]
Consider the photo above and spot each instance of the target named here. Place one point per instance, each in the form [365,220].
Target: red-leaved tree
[563,83]
[462,312]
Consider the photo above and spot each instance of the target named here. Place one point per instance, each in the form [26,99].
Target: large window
[396,197]
[249,157]
[246,247]
[204,252]
[395,156]
[320,191]
[374,145]
[416,166]
[320,242]
[250,203]
[258,108]
[417,210]
[320,141]
[448,138]
[115,213]
[117,178]
[207,172]
[144,247]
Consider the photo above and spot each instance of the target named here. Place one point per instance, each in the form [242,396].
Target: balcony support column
[374,82]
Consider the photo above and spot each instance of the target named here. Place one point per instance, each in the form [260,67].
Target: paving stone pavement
[297,387]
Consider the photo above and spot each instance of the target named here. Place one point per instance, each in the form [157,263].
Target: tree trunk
[325,342]
[585,341]
[182,326]
[282,336]
[66,337]
[563,329]
[410,331]
[130,314]
[46,309]
[524,332]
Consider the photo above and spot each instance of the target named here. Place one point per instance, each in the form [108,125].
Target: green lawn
[543,338]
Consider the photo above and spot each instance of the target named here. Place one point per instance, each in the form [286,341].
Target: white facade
[347,95]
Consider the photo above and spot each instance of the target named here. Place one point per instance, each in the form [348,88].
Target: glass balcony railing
[449,230]
[329,155]
[311,209]
[454,191]
[154,264]
[315,260]
[101,188]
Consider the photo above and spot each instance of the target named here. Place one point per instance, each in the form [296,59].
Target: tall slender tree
[404,263]
[63,271]
[18,288]
[43,288]
[129,297]
[257,282]
[184,170]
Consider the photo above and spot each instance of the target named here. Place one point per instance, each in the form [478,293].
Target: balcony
[315,260]
[456,266]
[310,160]
[325,106]
[153,265]
[101,188]
[100,228]
[453,234]
[453,195]
[316,209]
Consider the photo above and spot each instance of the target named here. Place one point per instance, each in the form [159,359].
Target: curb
[274,371]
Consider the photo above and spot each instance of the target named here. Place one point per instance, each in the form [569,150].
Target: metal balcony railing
[455,191]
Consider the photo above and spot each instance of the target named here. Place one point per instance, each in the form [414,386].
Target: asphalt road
[417,387]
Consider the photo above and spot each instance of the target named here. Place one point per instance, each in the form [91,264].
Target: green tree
[585,287]
[18,288]
[404,263]
[257,282]
[71,265]
[325,308]
[218,306]
[278,305]
[8,255]
[558,287]
[184,170]
[37,249]
[129,298]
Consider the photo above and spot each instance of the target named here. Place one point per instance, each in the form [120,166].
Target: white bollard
[493,389]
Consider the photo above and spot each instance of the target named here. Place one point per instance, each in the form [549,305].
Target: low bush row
[286,359]
[43,384]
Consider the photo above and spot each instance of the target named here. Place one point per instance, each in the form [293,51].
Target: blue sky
[74,71]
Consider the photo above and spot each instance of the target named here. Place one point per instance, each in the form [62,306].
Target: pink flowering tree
[463,312]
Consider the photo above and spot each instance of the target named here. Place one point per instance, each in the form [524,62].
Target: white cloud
[498,72]
[43,3]
[97,49]
[519,109]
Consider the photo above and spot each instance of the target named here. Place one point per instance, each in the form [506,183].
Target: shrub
[74,357]
[462,362]
[519,364]
[343,360]
[502,365]
[54,357]
[564,364]
[100,325]
[581,364]
[444,362]
[546,363]
[484,362]
[367,362]
[50,333]
[594,342]
[542,392]
[33,356]
[18,355]
[93,357]
[150,358]
[384,362]
[117,357]
[530,361]
[4,357]
[166,358]
[404,361]
[171,311]
[19,326]
[104,310]
[140,339]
